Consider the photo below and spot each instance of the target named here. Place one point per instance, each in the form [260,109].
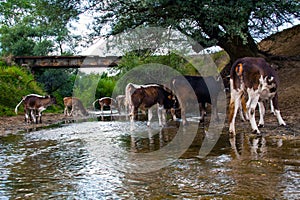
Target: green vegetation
[15,82]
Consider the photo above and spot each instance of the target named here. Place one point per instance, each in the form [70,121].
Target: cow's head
[267,86]
[52,99]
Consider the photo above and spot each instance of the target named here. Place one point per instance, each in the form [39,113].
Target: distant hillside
[284,43]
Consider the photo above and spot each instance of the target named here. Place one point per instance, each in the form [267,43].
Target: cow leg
[40,114]
[202,111]
[173,113]
[262,112]
[39,117]
[252,103]
[150,115]
[272,106]
[27,115]
[183,116]
[66,111]
[233,108]
[277,112]
[161,112]
[33,116]
[243,109]
[133,114]
[72,110]
[101,108]
[214,109]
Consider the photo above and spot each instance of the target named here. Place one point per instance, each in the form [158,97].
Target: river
[97,159]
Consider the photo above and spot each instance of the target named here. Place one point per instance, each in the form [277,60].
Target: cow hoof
[283,125]
[185,124]
[231,133]
[260,125]
[256,132]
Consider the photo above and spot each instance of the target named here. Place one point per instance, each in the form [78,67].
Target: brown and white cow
[255,78]
[35,104]
[74,104]
[196,91]
[106,101]
[129,89]
[147,96]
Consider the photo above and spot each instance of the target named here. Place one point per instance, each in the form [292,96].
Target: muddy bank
[14,124]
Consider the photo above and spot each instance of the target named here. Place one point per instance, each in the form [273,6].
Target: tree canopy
[230,24]
[37,27]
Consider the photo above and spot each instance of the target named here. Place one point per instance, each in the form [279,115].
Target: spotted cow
[106,101]
[147,96]
[34,105]
[256,79]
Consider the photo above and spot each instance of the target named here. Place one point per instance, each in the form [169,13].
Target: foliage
[36,27]
[229,24]
[132,60]
[57,80]
[15,82]
[89,87]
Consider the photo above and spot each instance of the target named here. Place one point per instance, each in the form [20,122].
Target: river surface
[113,160]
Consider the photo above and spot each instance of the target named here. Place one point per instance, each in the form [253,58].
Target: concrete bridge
[67,61]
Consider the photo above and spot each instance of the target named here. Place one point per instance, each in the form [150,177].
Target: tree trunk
[235,47]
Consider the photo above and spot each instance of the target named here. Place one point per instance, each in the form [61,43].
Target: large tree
[230,24]
[37,27]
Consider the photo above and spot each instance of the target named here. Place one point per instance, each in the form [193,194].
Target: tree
[230,24]
[37,27]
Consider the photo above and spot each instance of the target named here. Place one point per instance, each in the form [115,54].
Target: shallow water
[113,160]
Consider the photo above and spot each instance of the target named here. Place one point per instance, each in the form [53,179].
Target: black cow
[206,90]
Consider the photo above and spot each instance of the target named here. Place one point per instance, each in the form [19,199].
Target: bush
[15,82]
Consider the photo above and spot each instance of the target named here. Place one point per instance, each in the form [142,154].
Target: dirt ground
[14,124]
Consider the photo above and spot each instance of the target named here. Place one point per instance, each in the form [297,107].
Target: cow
[129,89]
[35,104]
[255,78]
[206,90]
[106,101]
[73,104]
[147,96]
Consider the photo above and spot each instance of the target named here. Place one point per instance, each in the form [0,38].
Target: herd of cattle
[251,79]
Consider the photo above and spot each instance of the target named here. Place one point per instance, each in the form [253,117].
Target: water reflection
[84,160]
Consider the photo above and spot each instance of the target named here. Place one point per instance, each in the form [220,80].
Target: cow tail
[16,109]
[94,103]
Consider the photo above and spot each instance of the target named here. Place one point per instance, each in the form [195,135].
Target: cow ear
[271,79]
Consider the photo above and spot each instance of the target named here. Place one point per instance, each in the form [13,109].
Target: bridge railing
[67,61]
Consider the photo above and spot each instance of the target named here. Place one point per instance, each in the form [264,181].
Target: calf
[35,104]
[147,96]
[130,88]
[106,101]
[255,78]
[206,90]
[73,103]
